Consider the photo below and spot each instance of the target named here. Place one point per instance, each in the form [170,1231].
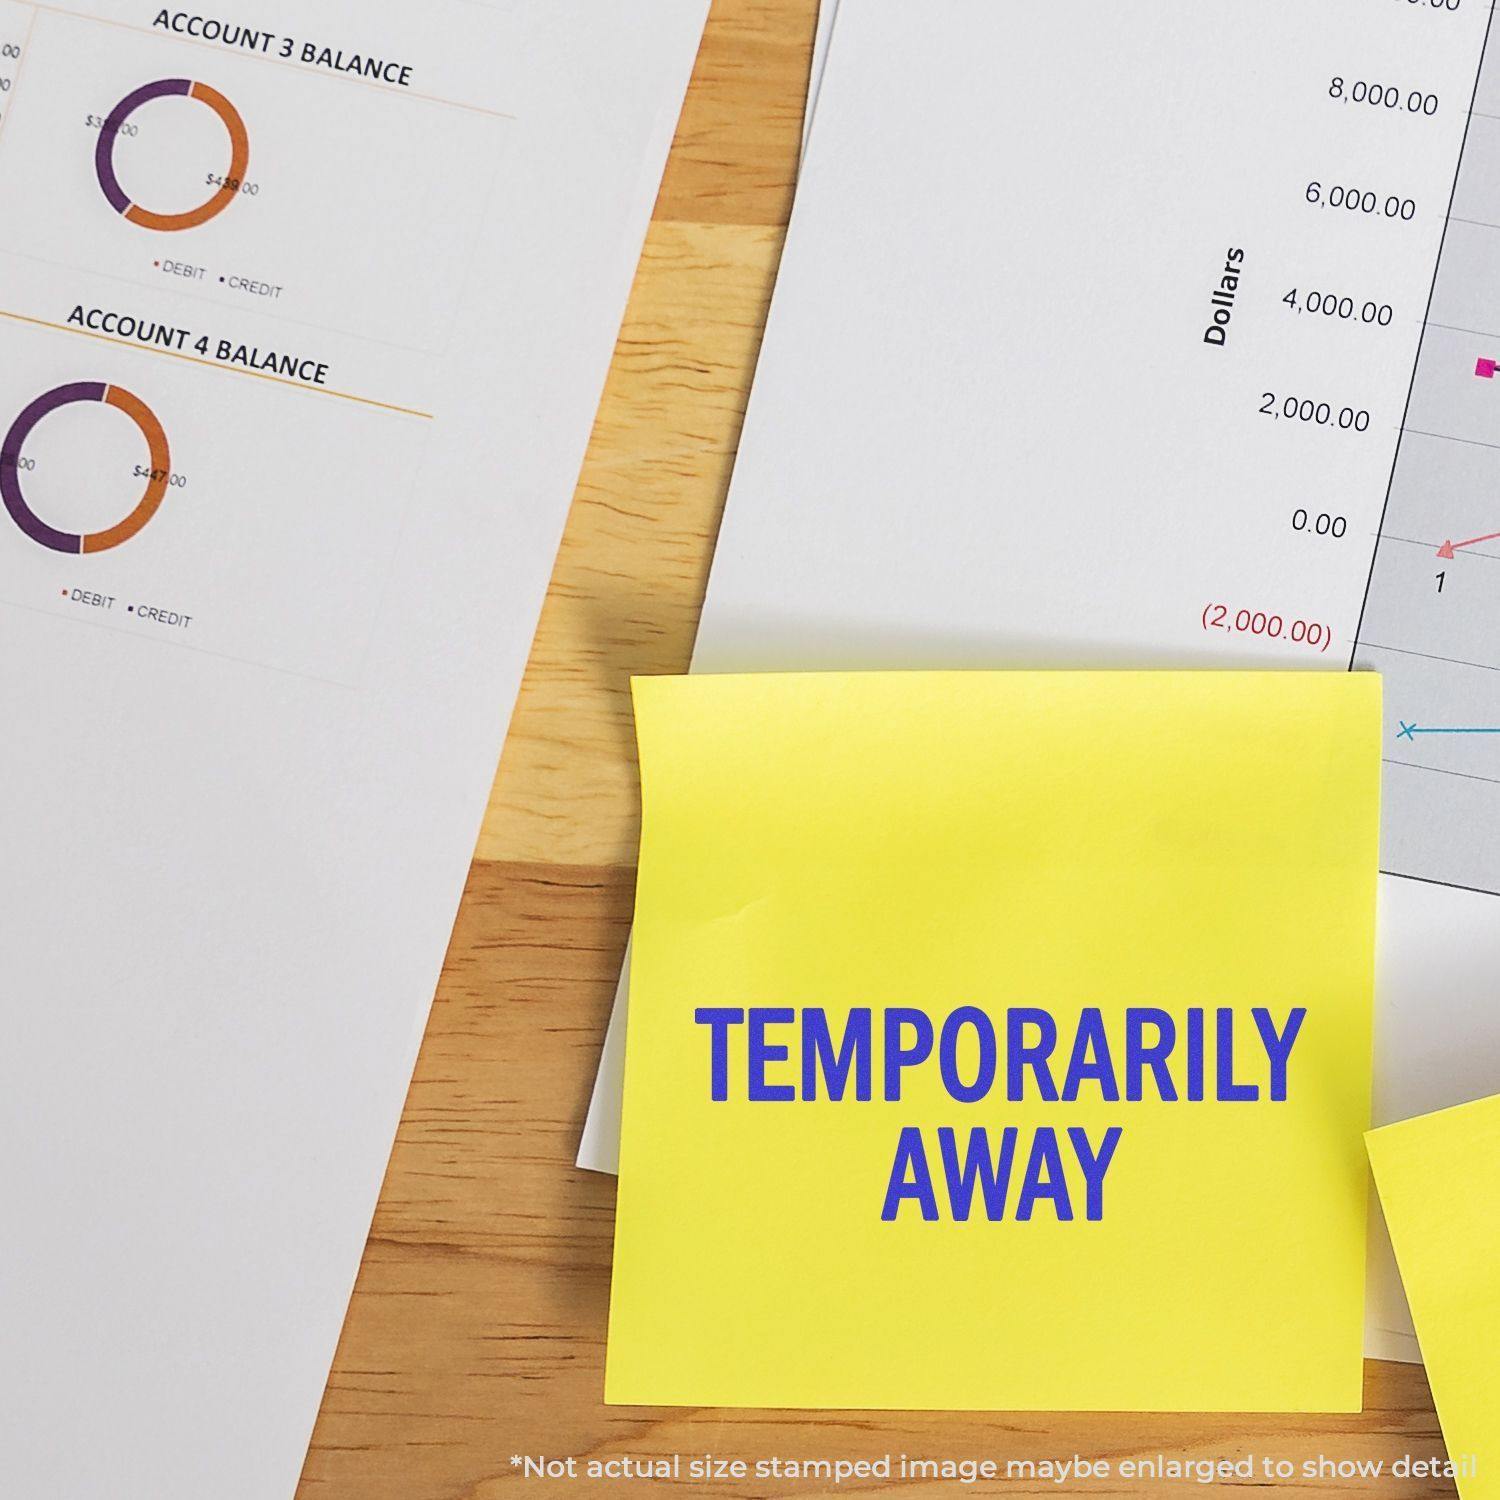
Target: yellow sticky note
[999,1040]
[1441,1198]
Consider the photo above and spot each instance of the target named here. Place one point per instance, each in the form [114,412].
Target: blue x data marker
[1411,731]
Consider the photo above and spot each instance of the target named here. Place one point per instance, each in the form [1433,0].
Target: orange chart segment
[167,88]
[156,486]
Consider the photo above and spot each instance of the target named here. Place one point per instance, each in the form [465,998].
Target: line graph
[1431,622]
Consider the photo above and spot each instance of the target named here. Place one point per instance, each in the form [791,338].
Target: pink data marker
[1485,369]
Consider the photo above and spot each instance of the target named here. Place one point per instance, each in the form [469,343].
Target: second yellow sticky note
[1438,1188]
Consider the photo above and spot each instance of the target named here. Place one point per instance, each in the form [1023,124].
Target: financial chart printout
[1208,302]
[1102,353]
[181,270]
[305,309]
[1431,620]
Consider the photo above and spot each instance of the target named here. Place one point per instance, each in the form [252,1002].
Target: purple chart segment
[10,465]
[104,151]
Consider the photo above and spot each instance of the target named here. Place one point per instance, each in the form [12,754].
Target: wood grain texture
[477,1328]
[633,565]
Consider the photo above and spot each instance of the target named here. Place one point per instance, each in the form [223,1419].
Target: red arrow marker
[1448,549]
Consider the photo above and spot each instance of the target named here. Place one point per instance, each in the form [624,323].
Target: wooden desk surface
[477,1328]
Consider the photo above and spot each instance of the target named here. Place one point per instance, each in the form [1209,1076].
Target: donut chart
[78,543]
[167,88]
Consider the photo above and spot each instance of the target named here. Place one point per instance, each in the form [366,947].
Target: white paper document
[1102,337]
[305,310]
[827,13]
